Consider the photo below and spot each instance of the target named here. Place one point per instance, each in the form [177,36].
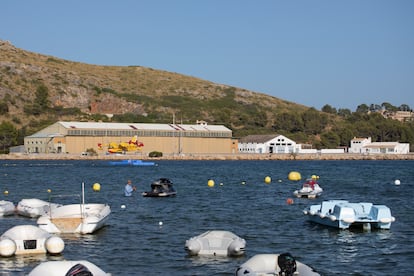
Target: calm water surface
[133,243]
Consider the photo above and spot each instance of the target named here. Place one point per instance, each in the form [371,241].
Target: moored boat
[216,243]
[162,187]
[75,218]
[131,162]
[33,207]
[83,218]
[274,264]
[343,214]
[67,268]
[7,208]
[29,239]
[310,189]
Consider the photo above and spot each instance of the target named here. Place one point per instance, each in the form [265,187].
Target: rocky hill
[79,91]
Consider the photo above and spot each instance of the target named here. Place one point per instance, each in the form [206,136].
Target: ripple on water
[134,243]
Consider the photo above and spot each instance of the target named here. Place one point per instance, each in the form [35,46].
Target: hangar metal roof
[143,126]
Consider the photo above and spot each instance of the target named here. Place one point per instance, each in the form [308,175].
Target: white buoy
[123,206]
[160,223]
[7,247]
[55,245]
[397,182]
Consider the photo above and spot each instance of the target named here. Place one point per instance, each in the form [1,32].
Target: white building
[267,144]
[364,145]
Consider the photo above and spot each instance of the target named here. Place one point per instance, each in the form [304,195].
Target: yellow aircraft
[122,147]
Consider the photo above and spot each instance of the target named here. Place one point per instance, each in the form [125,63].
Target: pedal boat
[343,214]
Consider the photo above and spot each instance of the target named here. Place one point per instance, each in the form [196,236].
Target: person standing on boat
[129,188]
[312,181]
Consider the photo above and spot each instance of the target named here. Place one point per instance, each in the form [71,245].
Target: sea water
[146,236]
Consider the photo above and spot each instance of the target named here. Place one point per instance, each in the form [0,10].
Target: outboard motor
[287,264]
[79,270]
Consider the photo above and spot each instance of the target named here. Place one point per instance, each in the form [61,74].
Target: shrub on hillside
[155,154]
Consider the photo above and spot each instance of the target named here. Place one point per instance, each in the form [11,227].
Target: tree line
[334,128]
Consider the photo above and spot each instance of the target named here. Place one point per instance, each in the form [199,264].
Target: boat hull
[302,194]
[154,194]
[75,218]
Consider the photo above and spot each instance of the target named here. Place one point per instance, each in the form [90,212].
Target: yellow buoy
[49,190]
[96,187]
[267,179]
[294,176]
[315,177]
[210,183]
[6,192]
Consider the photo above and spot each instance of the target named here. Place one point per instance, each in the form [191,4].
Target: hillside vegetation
[37,90]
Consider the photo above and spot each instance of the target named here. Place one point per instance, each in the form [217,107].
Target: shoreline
[240,157]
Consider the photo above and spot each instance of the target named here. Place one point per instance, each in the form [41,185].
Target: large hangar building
[78,137]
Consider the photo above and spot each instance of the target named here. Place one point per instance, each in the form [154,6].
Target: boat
[162,187]
[310,189]
[67,268]
[130,162]
[29,239]
[274,264]
[33,207]
[343,214]
[82,218]
[7,208]
[216,243]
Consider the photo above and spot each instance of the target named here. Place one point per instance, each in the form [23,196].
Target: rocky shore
[340,156]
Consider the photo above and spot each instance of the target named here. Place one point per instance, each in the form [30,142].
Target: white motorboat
[216,243]
[75,218]
[29,239]
[66,268]
[274,264]
[7,208]
[343,214]
[33,207]
[310,189]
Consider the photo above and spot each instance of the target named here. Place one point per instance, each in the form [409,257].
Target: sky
[311,52]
